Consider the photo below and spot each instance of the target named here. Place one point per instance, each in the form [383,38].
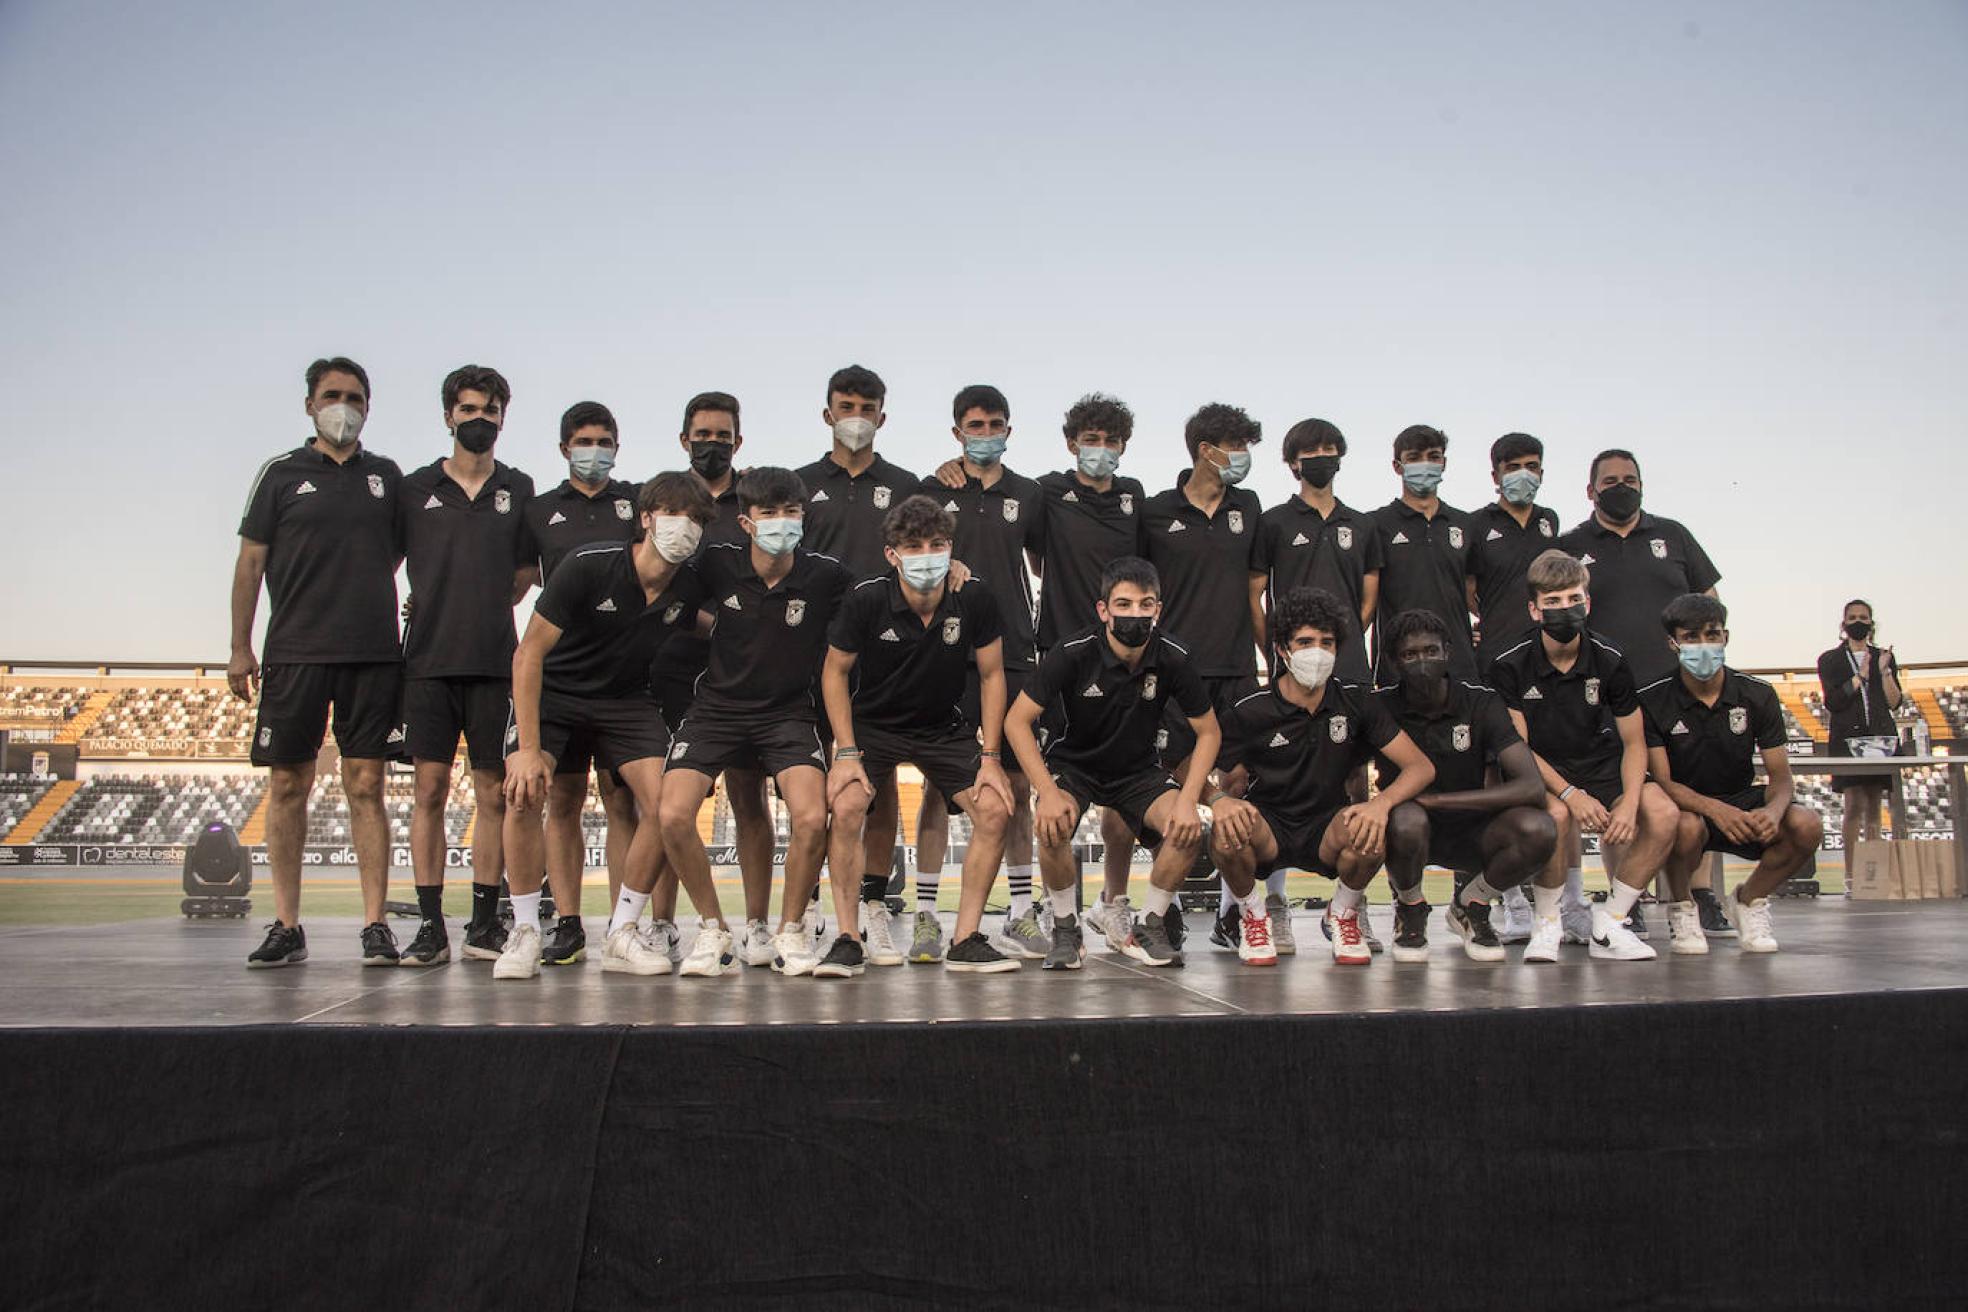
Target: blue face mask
[1422,477]
[1237,470]
[1520,486]
[984,450]
[591,464]
[1702,659]
[1099,461]
[924,572]
[776,537]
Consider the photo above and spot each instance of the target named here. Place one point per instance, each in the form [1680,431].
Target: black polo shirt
[1299,762]
[911,674]
[1633,579]
[1085,531]
[767,644]
[1570,716]
[1206,562]
[461,554]
[1462,740]
[1423,564]
[1299,548]
[1112,713]
[844,512]
[1500,554]
[609,629]
[567,517]
[1713,749]
[682,658]
[331,536]
[996,526]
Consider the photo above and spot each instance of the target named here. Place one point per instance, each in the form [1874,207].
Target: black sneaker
[1410,931]
[1715,922]
[431,947]
[843,960]
[1636,922]
[1227,930]
[567,944]
[1176,925]
[379,945]
[485,942]
[1068,945]
[1150,945]
[1471,923]
[285,945]
[976,955]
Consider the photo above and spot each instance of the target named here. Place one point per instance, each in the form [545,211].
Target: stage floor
[157,973]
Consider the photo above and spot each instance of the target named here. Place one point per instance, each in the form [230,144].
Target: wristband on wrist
[847,753]
[990,755]
[1569,790]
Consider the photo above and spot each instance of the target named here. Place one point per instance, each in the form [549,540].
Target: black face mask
[477,435]
[1858,630]
[1563,623]
[1131,630]
[1318,470]
[1619,502]
[1425,682]
[710,459]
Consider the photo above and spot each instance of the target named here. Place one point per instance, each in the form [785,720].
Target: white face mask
[675,537]
[339,424]
[1312,666]
[855,434]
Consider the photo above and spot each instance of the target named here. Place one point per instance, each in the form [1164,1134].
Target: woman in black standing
[1861,683]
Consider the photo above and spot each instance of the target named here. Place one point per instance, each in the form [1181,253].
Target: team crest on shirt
[1659,547]
[502,501]
[670,615]
[376,486]
[952,630]
[1738,719]
[1127,503]
[882,497]
[1459,737]
[1455,537]
[1544,527]
[1344,536]
[1236,521]
[1010,511]
[623,510]
[1337,728]
[1148,689]
[1161,740]
[795,612]
[1592,692]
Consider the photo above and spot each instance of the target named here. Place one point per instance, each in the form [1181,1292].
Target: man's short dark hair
[1129,569]
[676,492]
[1307,434]
[1611,453]
[724,401]
[476,378]
[1692,612]
[769,485]
[1307,607]
[1419,437]
[1410,622]
[1102,413]
[917,519]
[336,364]
[856,381]
[1514,446]
[979,396]
[586,414]
[1219,425]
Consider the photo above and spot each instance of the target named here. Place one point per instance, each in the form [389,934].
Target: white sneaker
[1752,922]
[521,958]
[711,953]
[1114,920]
[1349,945]
[792,951]
[1546,935]
[813,922]
[1279,912]
[1612,941]
[1254,946]
[755,946]
[629,953]
[666,938]
[1517,917]
[878,935]
[1684,926]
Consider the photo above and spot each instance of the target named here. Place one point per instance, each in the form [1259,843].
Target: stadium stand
[18,794]
[43,706]
[154,715]
[153,808]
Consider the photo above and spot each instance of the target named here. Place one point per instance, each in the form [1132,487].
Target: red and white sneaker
[1349,945]
[1254,944]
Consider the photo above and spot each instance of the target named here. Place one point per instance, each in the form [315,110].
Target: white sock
[1476,890]
[1226,899]
[1411,895]
[1621,900]
[1159,900]
[526,912]
[628,908]
[1275,882]
[1546,900]
[928,884]
[1348,901]
[1253,903]
[1063,905]
[1018,882]
[1574,888]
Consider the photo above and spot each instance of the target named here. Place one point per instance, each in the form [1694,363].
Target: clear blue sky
[1730,237]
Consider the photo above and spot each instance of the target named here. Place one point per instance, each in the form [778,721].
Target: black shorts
[711,741]
[1601,780]
[1175,740]
[948,758]
[1455,839]
[1749,799]
[437,711]
[674,696]
[1298,842]
[1128,796]
[972,707]
[608,731]
[293,713]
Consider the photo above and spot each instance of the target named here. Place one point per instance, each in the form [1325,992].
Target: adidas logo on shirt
[1491,536]
[433,503]
[1533,695]
[820,495]
[1680,726]
[731,602]
[1301,541]
[950,506]
[1175,526]
[305,488]
[1070,496]
[556,518]
[1279,740]
[1586,559]
[1400,540]
[607,604]
[890,635]
[1093,690]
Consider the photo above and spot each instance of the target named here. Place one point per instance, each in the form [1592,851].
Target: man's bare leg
[362,782]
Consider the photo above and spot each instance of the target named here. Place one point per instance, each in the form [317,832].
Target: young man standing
[1113,682]
[470,559]
[1571,697]
[770,603]
[320,529]
[1301,739]
[1497,835]
[1425,546]
[915,642]
[581,676]
[1706,724]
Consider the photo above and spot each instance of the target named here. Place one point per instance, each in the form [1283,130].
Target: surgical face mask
[1237,470]
[1520,486]
[855,434]
[1563,623]
[1311,666]
[1131,630]
[984,450]
[1422,477]
[924,572]
[1701,659]
[1425,681]
[1319,471]
[591,464]
[339,424]
[1619,502]
[675,537]
[776,537]
[711,460]
[1099,461]
[477,435]
[1858,630]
